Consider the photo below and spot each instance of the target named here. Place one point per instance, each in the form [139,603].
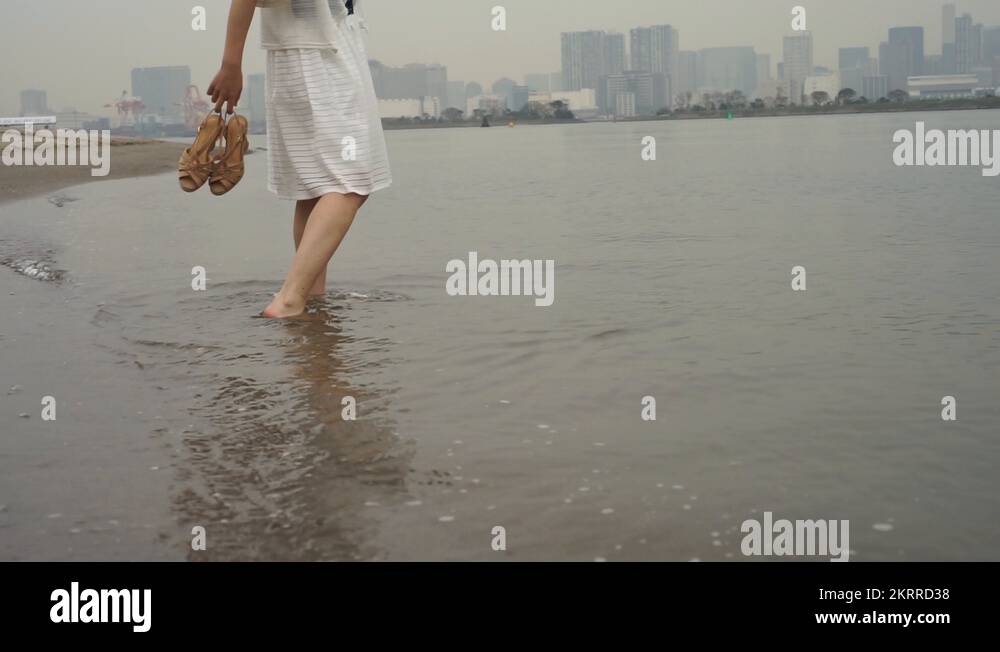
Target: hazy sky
[82,51]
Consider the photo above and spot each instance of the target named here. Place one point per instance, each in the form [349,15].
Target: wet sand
[130,157]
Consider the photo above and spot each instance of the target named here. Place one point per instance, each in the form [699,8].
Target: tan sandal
[195,166]
[229,168]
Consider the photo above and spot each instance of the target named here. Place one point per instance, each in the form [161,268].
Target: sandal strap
[231,172]
[189,165]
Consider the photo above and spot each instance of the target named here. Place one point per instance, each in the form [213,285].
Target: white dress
[324,133]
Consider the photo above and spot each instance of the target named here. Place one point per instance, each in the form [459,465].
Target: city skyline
[699,28]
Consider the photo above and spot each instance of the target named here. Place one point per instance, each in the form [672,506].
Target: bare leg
[325,229]
[302,210]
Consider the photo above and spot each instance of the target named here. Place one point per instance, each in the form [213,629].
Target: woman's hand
[227,87]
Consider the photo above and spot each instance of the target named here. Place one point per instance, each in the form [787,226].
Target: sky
[82,51]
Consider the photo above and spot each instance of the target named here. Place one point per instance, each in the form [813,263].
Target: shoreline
[137,157]
[131,158]
[850,110]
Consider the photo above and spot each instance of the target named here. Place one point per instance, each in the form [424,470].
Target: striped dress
[324,134]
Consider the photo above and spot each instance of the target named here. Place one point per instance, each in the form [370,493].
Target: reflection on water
[277,472]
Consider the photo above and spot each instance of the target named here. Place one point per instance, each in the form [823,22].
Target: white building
[829,84]
[583,103]
[488,104]
[773,89]
[943,86]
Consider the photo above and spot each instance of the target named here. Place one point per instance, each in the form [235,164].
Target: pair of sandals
[200,163]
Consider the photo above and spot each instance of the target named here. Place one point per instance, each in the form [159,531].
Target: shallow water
[178,409]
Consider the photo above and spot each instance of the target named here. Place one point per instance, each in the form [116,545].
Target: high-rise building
[797,57]
[34,103]
[614,53]
[583,59]
[556,81]
[162,89]
[991,45]
[963,43]
[687,73]
[855,64]
[655,49]
[976,44]
[650,92]
[968,44]
[538,83]
[518,98]
[504,88]
[902,56]
[934,65]
[456,95]
[763,68]
[875,87]
[853,58]
[948,14]
[728,69]
[412,81]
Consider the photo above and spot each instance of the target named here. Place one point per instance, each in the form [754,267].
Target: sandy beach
[130,157]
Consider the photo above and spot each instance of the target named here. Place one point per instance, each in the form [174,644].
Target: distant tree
[861,100]
[758,104]
[780,101]
[451,114]
[663,111]
[560,111]
[820,98]
[898,96]
[538,109]
[846,95]
[533,110]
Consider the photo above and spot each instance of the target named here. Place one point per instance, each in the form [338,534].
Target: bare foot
[282,309]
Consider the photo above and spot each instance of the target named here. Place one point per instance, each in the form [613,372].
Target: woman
[325,144]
